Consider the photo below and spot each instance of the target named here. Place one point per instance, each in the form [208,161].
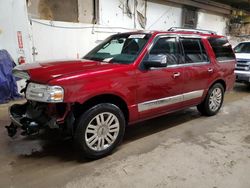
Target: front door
[160,89]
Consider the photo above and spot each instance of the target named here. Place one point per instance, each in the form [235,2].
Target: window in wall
[194,51]
[222,49]
[189,17]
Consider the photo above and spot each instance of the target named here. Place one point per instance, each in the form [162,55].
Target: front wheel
[213,101]
[99,130]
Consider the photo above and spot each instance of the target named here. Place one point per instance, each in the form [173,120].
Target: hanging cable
[77,27]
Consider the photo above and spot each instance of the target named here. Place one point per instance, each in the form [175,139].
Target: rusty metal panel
[58,10]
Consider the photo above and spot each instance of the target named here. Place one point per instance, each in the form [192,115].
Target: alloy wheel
[215,99]
[102,131]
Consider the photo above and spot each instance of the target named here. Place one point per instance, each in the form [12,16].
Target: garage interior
[181,149]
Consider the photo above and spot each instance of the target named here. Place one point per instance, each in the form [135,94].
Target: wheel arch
[203,107]
[220,81]
[79,108]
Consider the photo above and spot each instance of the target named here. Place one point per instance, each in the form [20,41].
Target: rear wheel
[99,130]
[213,101]
[247,84]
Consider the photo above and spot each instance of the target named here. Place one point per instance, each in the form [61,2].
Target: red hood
[44,72]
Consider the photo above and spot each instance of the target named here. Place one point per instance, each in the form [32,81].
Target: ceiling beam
[206,5]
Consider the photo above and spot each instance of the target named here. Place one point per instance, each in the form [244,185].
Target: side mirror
[159,60]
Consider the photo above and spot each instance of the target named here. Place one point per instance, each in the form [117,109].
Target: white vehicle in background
[242,69]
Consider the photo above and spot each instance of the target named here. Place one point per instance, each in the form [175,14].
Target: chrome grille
[242,65]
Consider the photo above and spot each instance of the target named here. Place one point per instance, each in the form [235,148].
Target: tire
[99,130]
[247,84]
[213,101]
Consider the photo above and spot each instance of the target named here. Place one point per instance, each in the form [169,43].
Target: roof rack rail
[192,30]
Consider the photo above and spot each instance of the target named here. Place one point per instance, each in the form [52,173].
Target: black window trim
[157,37]
[181,62]
[184,64]
[221,61]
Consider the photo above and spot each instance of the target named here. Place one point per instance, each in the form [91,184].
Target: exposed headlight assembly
[44,93]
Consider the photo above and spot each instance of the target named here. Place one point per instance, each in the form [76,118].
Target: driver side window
[166,46]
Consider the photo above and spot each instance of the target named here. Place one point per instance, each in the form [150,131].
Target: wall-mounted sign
[20,39]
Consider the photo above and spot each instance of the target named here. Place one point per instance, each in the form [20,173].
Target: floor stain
[247,139]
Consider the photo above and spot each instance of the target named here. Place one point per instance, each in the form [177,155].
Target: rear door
[160,89]
[197,70]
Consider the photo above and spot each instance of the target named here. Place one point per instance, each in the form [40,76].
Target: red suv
[129,77]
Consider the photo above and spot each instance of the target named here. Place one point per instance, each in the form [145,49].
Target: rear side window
[194,51]
[222,49]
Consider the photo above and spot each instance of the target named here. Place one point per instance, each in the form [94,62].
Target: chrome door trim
[159,103]
[149,105]
[190,64]
[181,65]
[192,95]
[226,61]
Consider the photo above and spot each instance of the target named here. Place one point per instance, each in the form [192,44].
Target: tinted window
[194,51]
[168,47]
[222,49]
[242,48]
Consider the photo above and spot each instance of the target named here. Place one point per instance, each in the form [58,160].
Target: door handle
[177,74]
[210,70]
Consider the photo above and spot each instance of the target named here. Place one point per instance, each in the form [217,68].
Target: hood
[46,71]
[242,56]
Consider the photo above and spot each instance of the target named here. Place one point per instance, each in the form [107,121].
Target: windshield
[242,48]
[121,48]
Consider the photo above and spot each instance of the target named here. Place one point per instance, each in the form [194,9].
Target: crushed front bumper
[33,116]
[20,119]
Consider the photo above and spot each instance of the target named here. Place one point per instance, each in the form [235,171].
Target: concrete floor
[183,149]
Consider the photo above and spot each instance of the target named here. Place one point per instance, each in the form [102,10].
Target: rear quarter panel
[224,70]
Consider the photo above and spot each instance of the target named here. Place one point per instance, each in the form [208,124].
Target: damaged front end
[34,116]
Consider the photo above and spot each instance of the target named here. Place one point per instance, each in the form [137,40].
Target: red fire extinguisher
[21,60]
